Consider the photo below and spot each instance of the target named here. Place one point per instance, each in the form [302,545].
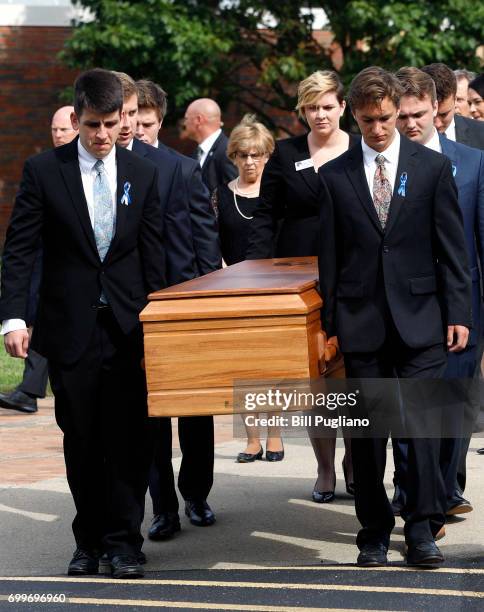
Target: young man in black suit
[180,262]
[98,211]
[196,434]
[203,124]
[460,129]
[393,276]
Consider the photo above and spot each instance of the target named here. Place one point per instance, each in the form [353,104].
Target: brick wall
[31,78]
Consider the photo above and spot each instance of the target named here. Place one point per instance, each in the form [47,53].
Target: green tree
[218,48]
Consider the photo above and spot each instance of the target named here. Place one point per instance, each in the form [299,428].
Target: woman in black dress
[249,147]
[286,222]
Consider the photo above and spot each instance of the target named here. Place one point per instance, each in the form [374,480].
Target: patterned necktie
[382,191]
[199,154]
[103,210]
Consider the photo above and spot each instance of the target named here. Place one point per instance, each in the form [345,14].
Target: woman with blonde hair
[286,222]
[249,147]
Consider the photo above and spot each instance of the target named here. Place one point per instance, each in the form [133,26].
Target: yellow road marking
[272,585]
[146,603]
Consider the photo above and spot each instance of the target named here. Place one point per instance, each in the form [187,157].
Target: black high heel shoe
[248,457]
[275,455]
[350,486]
[324,497]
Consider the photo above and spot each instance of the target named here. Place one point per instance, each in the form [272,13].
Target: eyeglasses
[255,157]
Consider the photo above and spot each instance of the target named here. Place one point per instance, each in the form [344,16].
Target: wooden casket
[256,320]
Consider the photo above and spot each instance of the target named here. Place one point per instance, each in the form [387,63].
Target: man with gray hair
[203,124]
[464,77]
[34,380]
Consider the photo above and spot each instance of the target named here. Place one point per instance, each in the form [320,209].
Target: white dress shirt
[88,174]
[434,142]
[391,155]
[207,144]
[450,131]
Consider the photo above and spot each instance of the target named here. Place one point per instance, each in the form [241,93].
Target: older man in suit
[418,108]
[98,211]
[196,434]
[203,124]
[35,377]
[389,213]
[456,127]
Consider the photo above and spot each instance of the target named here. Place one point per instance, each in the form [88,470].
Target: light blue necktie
[103,210]
[103,214]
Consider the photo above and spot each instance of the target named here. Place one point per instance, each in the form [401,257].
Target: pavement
[271,549]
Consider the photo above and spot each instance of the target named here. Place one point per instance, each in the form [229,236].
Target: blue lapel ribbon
[126,199]
[403,182]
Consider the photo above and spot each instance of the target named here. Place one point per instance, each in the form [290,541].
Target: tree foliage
[218,48]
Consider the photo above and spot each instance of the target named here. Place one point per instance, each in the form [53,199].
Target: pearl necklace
[238,192]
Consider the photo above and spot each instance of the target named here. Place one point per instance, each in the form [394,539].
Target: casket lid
[263,287]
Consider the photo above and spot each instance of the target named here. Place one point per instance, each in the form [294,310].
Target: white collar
[450,131]
[208,143]
[130,145]
[87,161]
[434,142]
[390,154]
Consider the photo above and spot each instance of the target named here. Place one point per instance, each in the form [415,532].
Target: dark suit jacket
[205,238]
[51,204]
[286,222]
[469,132]
[177,238]
[417,268]
[468,170]
[217,168]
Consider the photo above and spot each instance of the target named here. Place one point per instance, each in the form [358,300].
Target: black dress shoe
[126,566]
[199,513]
[164,526]
[323,497]
[350,486]
[274,455]
[83,563]
[480,451]
[141,557]
[424,553]
[18,400]
[459,506]
[248,457]
[372,555]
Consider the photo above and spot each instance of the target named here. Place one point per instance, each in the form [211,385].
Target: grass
[11,370]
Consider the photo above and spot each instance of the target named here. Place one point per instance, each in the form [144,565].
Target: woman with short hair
[249,147]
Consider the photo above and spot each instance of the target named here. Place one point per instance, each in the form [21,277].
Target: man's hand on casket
[328,350]
[331,350]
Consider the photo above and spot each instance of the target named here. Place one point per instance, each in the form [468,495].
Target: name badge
[303,164]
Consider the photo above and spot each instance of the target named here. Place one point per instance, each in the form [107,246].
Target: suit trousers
[458,418]
[100,405]
[424,512]
[195,478]
[35,377]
